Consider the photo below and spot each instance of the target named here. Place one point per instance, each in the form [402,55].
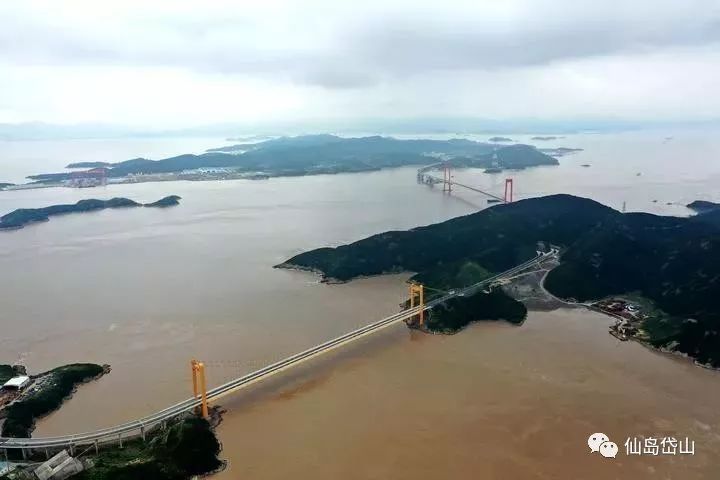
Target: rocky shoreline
[616,332]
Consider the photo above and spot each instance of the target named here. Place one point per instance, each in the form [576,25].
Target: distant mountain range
[703,206]
[437,125]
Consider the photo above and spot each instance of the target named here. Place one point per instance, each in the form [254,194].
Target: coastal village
[99,177]
[629,315]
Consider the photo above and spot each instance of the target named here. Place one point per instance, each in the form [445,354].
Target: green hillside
[675,262]
[314,154]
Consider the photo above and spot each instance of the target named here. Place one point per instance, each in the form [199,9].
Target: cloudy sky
[180,63]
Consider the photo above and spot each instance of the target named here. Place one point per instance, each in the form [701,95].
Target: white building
[17,383]
[59,467]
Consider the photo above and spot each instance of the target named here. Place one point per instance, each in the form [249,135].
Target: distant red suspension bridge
[448,182]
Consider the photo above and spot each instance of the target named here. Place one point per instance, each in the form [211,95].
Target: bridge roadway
[421,176]
[140,427]
[452,182]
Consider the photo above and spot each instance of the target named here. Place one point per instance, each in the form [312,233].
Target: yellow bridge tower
[417,289]
[198,379]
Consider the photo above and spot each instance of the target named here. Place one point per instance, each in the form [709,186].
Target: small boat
[493,200]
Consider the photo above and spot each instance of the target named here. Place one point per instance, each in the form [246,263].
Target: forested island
[313,154]
[703,206]
[3,186]
[23,216]
[560,151]
[512,157]
[186,448]
[455,314]
[673,262]
[46,394]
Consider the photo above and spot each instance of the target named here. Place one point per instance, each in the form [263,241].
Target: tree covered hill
[496,238]
[674,262]
[703,206]
[24,216]
[311,154]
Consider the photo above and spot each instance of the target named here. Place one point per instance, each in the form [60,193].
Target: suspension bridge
[448,182]
[141,427]
[202,397]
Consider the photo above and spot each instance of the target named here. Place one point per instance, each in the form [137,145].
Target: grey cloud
[340,76]
[359,54]
[412,48]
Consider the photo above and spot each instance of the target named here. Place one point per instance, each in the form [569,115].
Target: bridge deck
[452,182]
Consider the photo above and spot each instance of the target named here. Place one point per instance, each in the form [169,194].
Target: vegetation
[674,262]
[89,165]
[545,138]
[9,371]
[169,201]
[512,156]
[560,151]
[452,275]
[500,139]
[6,373]
[496,239]
[702,206]
[186,449]
[458,312]
[57,385]
[23,216]
[3,186]
[314,154]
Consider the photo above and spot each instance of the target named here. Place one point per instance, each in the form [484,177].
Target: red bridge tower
[508,190]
